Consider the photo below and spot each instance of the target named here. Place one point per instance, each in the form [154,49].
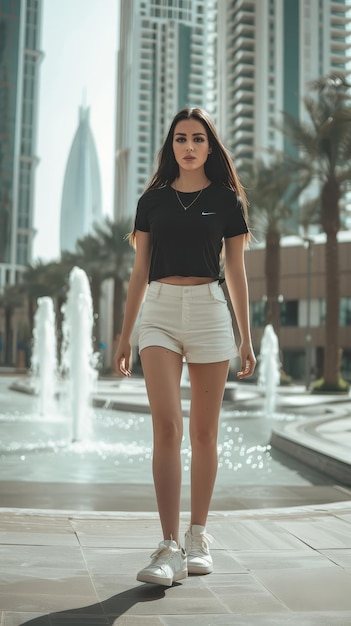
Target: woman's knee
[169,432]
[203,437]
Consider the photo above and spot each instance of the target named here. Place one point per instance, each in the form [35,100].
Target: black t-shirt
[189,242]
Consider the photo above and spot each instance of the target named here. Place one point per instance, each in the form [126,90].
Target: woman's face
[190,145]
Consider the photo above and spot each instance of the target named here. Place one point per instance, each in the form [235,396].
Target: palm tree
[43,279]
[324,155]
[118,263]
[267,188]
[90,256]
[10,300]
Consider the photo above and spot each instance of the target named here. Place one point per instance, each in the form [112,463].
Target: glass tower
[20,56]
[165,62]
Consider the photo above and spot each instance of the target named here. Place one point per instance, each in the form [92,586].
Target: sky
[79,42]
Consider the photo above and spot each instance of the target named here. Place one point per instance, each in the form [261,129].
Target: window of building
[294,363]
[22,249]
[345,312]
[322,312]
[346,365]
[258,314]
[289,313]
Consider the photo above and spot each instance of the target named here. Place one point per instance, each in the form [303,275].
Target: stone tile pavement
[272,567]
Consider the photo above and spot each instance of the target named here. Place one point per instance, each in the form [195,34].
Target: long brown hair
[219,167]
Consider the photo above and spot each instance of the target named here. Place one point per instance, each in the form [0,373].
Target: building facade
[20,57]
[165,63]
[303,307]
[81,204]
[268,53]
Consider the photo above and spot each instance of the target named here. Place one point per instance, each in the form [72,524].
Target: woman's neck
[191,181]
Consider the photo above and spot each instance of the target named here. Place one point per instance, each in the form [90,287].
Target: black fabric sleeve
[142,215]
[235,222]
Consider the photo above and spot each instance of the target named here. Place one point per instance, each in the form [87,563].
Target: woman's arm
[235,275]
[136,290]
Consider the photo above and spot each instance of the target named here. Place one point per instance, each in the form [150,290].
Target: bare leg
[207,387]
[162,371]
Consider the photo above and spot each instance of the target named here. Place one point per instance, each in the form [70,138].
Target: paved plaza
[282,554]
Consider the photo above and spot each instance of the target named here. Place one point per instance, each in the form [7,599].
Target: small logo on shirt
[207,213]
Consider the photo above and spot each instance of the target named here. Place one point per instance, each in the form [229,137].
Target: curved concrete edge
[294,511]
[141,405]
[302,441]
[130,405]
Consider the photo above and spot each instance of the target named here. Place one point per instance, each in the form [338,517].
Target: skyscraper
[165,62]
[81,195]
[20,56]
[268,52]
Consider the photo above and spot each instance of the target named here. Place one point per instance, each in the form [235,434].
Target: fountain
[44,359]
[78,361]
[111,445]
[269,368]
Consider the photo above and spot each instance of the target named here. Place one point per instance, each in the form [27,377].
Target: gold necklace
[193,201]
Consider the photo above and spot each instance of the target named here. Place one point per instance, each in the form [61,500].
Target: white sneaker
[198,552]
[168,564]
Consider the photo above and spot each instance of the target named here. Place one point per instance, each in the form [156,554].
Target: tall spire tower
[81,196]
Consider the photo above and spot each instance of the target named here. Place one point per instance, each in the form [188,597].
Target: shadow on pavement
[101,613]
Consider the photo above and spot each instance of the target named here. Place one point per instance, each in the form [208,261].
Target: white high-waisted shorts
[192,320]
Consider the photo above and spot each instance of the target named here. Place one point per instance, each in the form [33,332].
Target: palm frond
[310,212]
[301,135]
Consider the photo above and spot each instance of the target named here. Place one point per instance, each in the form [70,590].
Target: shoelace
[162,553]
[203,539]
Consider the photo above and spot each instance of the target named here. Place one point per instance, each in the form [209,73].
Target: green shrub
[319,386]
[285,379]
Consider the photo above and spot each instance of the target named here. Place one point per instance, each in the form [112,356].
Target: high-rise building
[81,196]
[268,52]
[20,56]
[165,62]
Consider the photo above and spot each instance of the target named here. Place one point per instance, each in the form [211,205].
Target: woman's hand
[122,358]
[248,360]
[236,280]
[137,285]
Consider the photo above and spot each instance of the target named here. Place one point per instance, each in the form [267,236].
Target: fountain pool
[38,448]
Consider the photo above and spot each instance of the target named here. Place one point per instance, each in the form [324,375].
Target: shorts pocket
[218,295]
[152,293]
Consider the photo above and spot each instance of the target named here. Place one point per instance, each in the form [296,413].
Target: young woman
[193,204]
